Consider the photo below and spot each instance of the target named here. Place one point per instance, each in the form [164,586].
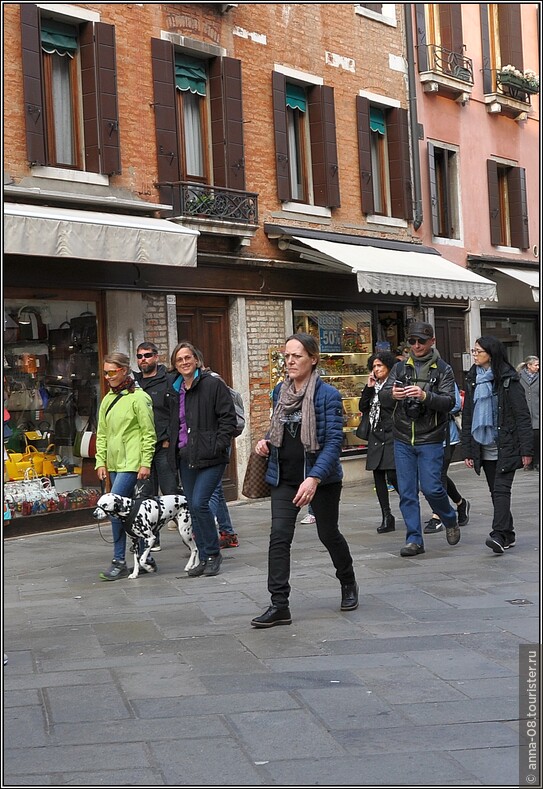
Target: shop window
[508,205]
[385,173]
[52,389]
[305,142]
[70,92]
[444,203]
[346,343]
[518,333]
[198,120]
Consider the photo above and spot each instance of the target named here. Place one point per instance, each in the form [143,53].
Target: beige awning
[90,235]
[530,278]
[380,270]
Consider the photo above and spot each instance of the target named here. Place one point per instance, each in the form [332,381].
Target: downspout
[413,118]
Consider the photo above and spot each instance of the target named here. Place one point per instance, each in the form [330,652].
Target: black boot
[349,597]
[388,523]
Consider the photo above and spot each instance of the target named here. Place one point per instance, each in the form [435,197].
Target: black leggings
[448,484]
[382,478]
[325,506]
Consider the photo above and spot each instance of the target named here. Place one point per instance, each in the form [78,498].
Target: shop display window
[345,341]
[51,394]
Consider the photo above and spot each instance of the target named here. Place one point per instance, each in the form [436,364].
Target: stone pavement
[161,681]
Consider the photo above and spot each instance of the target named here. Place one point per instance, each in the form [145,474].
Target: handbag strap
[110,406]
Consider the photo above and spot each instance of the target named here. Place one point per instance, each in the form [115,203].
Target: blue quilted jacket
[324,463]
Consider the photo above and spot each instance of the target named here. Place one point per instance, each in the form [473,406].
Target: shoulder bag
[254,482]
[363,429]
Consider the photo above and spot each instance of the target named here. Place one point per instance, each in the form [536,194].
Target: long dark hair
[498,355]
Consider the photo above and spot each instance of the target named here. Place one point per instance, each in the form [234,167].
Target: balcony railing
[212,202]
[517,88]
[449,64]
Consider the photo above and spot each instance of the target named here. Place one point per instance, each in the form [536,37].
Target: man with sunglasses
[421,391]
[153,379]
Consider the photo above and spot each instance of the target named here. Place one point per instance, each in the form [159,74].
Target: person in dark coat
[497,432]
[203,422]
[380,454]
[529,378]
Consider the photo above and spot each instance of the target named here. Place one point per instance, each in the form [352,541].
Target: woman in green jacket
[125,445]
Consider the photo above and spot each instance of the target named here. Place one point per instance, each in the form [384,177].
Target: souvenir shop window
[345,341]
[51,389]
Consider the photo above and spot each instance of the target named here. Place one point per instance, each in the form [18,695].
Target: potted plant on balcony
[526,82]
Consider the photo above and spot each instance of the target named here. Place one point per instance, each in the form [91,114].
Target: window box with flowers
[517,81]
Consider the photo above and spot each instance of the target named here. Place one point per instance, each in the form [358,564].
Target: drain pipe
[413,119]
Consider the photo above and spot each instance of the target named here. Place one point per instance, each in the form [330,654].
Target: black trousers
[382,477]
[500,484]
[325,506]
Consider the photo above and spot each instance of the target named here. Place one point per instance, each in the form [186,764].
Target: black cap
[424,331]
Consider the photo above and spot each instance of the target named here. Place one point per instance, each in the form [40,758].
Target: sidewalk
[161,681]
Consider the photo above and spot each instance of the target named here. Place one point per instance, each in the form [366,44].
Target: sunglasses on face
[145,355]
[416,340]
[111,373]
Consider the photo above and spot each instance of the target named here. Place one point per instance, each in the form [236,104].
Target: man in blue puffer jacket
[303,445]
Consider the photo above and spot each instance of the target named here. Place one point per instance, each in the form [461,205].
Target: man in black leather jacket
[421,391]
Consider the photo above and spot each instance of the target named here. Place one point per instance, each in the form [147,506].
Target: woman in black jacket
[380,456]
[203,425]
[496,432]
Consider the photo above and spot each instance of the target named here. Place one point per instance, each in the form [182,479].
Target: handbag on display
[254,482]
[84,330]
[60,340]
[363,429]
[20,398]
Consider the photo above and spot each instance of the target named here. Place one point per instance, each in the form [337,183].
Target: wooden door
[204,322]
[451,343]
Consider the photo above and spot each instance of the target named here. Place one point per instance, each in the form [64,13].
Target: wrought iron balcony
[216,203]
[518,88]
[449,73]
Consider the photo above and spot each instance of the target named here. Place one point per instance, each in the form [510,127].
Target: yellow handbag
[15,465]
[35,457]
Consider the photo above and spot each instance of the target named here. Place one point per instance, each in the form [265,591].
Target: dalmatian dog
[143,518]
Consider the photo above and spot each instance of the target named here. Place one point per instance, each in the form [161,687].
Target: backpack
[237,399]
[240,411]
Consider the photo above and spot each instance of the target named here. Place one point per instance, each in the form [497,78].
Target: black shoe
[453,534]
[412,549]
[198,570]
[273,616]
[509,541]
[117,570]
[462,512]
[349,597]
[213,565]
[496,544]
[388,524]
[433,526]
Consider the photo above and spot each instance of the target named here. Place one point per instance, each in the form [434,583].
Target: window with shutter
[198,119]
[305,143]
[70,92]
[444,203]
[508,205]
[383,149]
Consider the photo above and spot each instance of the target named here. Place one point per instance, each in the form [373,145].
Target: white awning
[380,270]
[72,233]
[530,278]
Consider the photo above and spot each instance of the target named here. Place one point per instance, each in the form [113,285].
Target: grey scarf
[289,402]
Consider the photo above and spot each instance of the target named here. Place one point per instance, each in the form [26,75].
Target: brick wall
[265,330]
[155,324]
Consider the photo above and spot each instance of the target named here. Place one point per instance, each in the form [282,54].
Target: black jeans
[448,484]
[382,478]
[325,506]
[500,484]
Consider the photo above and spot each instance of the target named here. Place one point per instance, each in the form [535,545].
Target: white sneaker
[172,526]
[6,657]
[309,519]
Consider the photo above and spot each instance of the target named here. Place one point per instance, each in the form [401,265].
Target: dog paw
[133,575]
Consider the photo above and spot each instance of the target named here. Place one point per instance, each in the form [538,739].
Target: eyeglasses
[145,355]
[477,351]
[184,359]
[415,340]
[111,373]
